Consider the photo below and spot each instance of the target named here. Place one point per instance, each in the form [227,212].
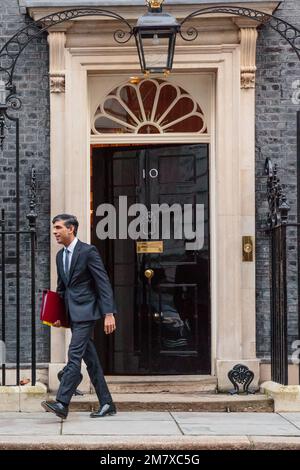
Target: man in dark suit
[85,287]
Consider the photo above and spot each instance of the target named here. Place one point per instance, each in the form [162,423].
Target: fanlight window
[148,107]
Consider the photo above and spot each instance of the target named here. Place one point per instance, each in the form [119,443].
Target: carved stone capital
[57,41]
[248,38]
[57,83]
[248,77]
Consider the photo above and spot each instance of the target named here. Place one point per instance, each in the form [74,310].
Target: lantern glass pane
[156,50]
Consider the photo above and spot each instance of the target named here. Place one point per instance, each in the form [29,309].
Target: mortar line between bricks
[171,413]
[286,419]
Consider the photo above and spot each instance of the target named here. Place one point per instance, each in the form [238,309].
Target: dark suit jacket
[88,293]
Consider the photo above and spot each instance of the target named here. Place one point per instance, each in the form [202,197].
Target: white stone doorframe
[232,177]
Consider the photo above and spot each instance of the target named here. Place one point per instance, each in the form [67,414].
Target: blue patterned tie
[67,262]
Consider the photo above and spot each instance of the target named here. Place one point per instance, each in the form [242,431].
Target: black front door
[162,290]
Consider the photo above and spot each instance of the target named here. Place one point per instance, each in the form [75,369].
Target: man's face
[63,234]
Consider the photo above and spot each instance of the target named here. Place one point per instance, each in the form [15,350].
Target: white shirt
[70,248]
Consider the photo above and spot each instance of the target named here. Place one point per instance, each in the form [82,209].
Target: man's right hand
[109,323]
[57,324]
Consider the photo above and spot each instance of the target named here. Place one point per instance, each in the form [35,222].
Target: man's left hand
[109,324]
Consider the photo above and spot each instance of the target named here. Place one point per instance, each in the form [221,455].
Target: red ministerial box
[53,309]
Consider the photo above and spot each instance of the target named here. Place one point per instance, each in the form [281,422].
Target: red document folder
[53,309]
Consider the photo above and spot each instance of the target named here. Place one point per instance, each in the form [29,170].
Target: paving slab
[238,430]
[42,426]
[150,430]
[27,415]
[224,418]
[263,424]
[143,416]
[120,427]
[293,418]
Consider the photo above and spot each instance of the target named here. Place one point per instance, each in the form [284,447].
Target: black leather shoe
[108,409]
[56,407]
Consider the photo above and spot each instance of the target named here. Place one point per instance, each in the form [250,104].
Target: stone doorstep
[179,402]
[162,384]
[143,384]
[28,398]
[161,388]
[286,397]
[111,379]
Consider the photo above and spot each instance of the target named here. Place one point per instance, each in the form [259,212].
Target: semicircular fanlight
[151,106]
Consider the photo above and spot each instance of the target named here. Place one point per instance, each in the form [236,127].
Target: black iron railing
[7,238]
[278,226]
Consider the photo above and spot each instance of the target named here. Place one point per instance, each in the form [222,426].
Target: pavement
[150,430]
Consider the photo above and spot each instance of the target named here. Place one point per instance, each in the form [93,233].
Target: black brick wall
[32,86]
[277,69]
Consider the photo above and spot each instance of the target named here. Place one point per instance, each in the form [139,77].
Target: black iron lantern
[155,35]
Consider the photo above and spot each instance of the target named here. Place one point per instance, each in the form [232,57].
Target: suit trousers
[82,347]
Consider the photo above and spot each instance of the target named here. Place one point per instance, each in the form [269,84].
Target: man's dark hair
[68,221]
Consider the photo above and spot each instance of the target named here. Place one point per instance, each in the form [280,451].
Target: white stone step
[162,384]
[179,402]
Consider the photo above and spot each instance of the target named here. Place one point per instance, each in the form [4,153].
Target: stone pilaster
[57,41]
[248,38]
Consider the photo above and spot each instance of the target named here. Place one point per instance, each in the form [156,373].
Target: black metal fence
[278,229]
[7,239]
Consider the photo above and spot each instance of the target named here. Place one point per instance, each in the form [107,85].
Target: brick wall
[32,86]
[277,70]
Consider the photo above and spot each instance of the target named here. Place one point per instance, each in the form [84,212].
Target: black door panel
[163,325]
